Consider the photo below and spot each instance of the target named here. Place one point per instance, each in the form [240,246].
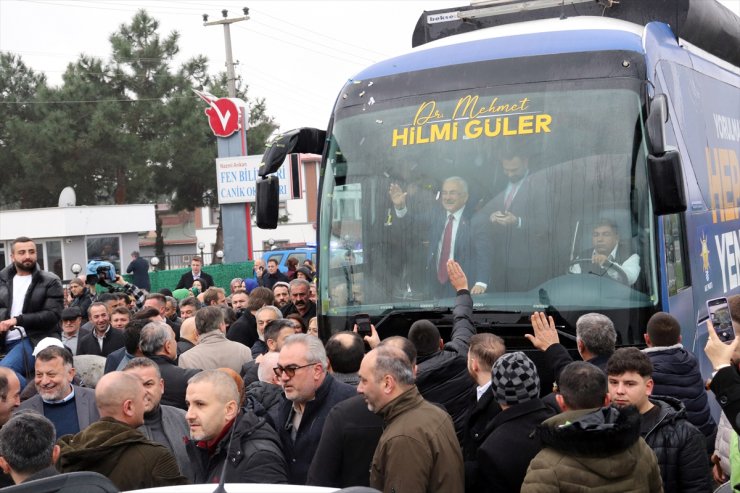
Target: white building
[74,235]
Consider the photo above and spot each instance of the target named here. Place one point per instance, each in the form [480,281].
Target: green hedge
[222,274]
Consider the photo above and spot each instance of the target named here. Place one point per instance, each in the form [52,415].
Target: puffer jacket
[253,456]
[83,302]
[120,453]
[680,449]
[593,450]
[42,308]
[443,377]
[676,373]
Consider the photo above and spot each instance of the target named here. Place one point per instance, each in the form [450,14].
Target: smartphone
[719,314]
[363,324]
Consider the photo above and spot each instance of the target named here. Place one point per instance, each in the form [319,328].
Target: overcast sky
[296,54]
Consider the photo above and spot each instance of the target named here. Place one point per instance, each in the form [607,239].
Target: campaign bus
[572,159]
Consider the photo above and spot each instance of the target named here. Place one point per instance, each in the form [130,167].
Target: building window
[106,248]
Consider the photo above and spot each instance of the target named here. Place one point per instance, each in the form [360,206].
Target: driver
[608,257]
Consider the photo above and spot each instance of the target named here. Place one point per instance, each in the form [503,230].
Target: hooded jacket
[418,450]
[680,448]
[676,373]
[593,450]
[42,307]
[121,453]
[253,455]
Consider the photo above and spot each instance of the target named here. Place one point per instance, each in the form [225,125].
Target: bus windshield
[538,190]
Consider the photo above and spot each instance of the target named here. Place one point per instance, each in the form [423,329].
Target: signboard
[224,114]
[236,178]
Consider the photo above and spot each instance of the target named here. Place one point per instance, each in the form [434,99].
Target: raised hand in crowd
[545,334]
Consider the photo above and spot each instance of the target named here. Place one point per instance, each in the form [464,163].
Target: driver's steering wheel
[621,275]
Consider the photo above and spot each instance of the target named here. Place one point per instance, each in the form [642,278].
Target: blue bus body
[687,257]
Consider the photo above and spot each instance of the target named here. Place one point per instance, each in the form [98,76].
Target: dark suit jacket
[87,412]
[89,344]
[175,381]
[520,254]
[140,270]
[477,430]
[186,281]
[472,250]
[501,468]
[348,441]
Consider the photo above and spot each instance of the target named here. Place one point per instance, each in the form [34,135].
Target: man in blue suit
[452,235]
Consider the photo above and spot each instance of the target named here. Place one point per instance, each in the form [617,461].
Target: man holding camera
[31,302]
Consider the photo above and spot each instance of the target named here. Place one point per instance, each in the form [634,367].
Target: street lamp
[154,261]
[220,256]
[76,269]
[201,246]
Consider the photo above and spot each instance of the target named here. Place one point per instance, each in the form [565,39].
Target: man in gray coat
[162,424]
[69,407]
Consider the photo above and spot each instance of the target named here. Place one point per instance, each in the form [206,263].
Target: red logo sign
[223,114]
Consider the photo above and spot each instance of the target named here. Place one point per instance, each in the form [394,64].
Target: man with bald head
[418,450]
[113,447]
[188,335]
[221,432]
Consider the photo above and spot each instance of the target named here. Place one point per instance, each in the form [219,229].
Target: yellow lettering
[473,129]
[403,136]
[440,132]
[470,102]
[454,131]
[523,104]
[496,131]
[420,139]
[525,124]
[542,124]
[506,127]
[426,112]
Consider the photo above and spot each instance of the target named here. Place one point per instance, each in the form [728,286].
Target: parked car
[282,256]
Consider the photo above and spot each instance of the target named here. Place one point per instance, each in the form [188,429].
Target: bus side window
[677,266]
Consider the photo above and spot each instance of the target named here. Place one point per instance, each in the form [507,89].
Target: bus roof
[540,37]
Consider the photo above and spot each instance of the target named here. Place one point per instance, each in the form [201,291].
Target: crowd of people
[151,390]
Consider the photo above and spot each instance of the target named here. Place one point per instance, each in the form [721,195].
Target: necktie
[509,198]
[444,255]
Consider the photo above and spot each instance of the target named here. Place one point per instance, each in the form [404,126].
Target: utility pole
[226,22]
[232,214]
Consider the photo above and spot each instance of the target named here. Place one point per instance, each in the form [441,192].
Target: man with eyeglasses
[310,392]
[609,257]
[452,235]
[71,330]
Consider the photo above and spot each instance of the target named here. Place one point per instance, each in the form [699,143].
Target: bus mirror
[666,183]
[656,120]
[300,140]
[268,202]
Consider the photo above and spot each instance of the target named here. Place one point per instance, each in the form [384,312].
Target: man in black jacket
[30,299]
[310,392]
[442,375]
[676,373]
[186,280]
[140,270]
[157,342]
[485,349]
[678,445]
[220,434]
[103,339]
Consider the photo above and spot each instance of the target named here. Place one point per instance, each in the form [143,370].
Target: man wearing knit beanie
[504,456]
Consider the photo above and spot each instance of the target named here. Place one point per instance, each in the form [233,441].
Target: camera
[100,271]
